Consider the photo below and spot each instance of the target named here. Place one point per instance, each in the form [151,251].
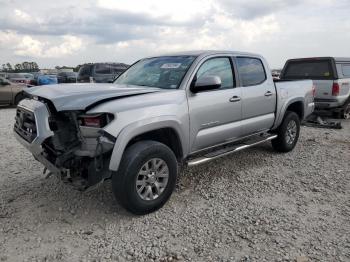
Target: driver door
[215,114]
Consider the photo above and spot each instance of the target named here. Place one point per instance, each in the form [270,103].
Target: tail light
[335,89]
[95,120]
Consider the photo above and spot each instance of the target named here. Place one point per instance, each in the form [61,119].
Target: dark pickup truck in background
[100,72]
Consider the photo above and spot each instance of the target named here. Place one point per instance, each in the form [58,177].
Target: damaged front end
[70,144]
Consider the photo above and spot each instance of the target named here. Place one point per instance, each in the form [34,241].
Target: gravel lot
[256,205]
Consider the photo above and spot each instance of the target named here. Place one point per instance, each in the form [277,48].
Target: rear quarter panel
[289,92]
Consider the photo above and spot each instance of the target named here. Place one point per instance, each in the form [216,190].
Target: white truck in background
[331,77]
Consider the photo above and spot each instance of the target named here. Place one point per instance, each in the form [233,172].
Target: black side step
[229,150]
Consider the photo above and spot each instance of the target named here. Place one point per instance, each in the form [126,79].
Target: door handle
[268,93]
[235,99]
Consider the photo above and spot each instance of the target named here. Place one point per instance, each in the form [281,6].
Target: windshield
[308,70]
[163,72]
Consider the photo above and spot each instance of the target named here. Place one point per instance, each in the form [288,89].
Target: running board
[228,150]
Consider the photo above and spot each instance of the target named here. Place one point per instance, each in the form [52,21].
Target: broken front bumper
[30,132]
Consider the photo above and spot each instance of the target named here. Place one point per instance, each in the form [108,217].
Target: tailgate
[323,89]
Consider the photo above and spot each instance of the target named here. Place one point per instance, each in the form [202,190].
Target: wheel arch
[165,135]
[296,105]
[167,132]
[17,96]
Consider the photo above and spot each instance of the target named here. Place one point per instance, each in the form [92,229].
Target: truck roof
[336,59]
[209,52]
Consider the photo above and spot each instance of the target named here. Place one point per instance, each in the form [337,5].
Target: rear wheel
[345,113]
[146,177]
[287,133]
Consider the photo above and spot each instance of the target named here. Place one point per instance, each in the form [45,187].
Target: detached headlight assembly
[98,120]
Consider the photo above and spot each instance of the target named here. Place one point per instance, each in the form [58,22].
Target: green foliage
[19,68]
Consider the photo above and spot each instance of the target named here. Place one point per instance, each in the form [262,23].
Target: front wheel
[146,177]
[287,133]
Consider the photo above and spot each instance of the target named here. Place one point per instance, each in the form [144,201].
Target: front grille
[25,124]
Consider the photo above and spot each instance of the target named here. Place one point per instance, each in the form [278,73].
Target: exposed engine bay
[79,150]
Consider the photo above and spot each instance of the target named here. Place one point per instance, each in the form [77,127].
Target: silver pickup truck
[162,113]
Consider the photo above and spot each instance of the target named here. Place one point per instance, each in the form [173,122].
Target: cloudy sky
[77,31]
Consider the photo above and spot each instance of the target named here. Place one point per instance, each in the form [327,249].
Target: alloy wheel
[152,179]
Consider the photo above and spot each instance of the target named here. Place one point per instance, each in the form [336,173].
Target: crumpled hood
[81,96]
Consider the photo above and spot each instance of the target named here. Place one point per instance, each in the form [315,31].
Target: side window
[346,70]
[221,67]
[84,71]
[251,71]
[103,69]
[117,69]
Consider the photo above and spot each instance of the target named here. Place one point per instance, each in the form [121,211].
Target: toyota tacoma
[162,113]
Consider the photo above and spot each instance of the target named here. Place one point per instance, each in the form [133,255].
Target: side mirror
[206,83]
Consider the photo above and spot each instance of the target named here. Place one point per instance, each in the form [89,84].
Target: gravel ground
[256,205]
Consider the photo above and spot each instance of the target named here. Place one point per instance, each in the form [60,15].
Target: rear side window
[218,67]
[251,71]
[345,70]
[103,69]
[308,70]
[84,71]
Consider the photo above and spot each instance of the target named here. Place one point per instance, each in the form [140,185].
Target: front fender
[140,127]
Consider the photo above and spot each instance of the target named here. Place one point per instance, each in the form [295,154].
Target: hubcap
[152,179]
[291,132]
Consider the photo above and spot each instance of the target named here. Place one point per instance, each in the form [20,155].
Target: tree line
[28,67]
[20,67]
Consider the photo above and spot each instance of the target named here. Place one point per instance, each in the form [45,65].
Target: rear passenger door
[258,95]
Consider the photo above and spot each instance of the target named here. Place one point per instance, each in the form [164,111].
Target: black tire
[124,180]
[284,143]
[345,113]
